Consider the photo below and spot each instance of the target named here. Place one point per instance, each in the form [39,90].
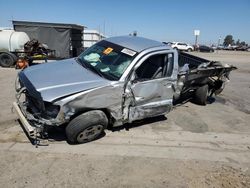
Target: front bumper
[34,126]
[31,130]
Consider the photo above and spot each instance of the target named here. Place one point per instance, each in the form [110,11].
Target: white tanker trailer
[11,45]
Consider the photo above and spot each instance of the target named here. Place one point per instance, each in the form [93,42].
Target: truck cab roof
[137,44]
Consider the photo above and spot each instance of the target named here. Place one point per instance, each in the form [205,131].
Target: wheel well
[104,110]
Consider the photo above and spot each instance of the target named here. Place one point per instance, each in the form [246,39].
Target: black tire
[7,59]
[201,95]
[189,50]
[14,56]
[221,88]
[80,129]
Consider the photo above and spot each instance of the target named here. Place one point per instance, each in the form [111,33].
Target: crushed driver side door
[152,96]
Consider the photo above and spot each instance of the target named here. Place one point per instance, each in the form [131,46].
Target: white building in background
[90,37]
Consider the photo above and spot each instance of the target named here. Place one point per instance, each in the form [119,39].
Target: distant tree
[243,43]
[228,40]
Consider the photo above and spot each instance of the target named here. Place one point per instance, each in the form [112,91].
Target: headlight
[51,110]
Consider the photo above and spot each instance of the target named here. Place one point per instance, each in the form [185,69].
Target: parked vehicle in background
[182,46]
[168,43]
[11,42]
[15,46]
[214,47]
[204,48]
[220,47]
[231,47]
[242,48]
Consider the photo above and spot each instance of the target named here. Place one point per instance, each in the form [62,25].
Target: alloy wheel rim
[89,133]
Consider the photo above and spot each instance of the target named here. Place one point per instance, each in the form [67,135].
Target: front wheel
[86,127]
[189,50]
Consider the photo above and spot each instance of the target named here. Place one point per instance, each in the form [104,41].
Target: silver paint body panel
[75,89]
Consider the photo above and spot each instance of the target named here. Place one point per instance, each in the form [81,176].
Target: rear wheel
[189,50]
[201,95]
[86,127]
[220,87]
[7,59]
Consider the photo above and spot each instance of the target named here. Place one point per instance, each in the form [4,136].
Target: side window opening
[156,66]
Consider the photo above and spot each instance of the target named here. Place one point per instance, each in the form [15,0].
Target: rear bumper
[31,131]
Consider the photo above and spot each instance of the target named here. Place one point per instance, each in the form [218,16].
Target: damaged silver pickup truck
[116,81]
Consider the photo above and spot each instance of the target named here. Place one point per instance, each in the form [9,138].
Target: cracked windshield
[108,62]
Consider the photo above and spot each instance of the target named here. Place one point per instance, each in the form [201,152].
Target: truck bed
[200,71]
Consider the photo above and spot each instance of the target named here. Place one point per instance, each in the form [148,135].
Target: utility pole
[218,44]
[196,34]
[196,40]
[104,27]
[219,41]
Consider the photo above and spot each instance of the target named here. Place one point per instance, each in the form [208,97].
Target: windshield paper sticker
[128,52]
[107,51]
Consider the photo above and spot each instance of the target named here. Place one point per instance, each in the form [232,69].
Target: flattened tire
[86,127]
[201,95]
[7,59]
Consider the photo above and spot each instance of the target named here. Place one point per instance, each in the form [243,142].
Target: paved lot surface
[193,146]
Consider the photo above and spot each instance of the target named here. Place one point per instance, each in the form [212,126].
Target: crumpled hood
[62,78]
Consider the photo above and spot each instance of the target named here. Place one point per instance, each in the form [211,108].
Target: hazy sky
[163,20]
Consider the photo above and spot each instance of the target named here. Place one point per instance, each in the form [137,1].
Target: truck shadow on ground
[57,134]
[139,123]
